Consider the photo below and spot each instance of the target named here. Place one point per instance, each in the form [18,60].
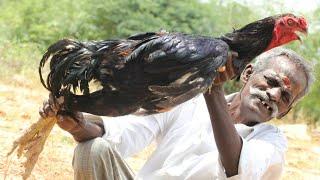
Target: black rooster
[153,72]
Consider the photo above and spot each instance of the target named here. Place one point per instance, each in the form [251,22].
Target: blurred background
[28,27]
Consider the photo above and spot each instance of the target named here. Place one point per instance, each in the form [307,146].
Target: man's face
[271,92]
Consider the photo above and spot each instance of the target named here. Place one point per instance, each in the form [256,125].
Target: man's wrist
[79,127]
[88,130]
[101,125]
[214,92]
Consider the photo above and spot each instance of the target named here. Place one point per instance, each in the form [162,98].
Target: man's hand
[81,127]
[49,108]
[70,122]
[228,72]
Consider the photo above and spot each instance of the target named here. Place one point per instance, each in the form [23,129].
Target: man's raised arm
[227,139]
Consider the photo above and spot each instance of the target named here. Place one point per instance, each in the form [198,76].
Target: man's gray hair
[264,59]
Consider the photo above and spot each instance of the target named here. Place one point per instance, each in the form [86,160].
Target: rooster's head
[287,28]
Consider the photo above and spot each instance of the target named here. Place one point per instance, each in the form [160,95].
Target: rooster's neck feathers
[251,40]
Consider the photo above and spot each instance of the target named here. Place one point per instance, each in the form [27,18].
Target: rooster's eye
[290,22]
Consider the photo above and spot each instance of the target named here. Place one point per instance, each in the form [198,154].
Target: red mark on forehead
[286,81]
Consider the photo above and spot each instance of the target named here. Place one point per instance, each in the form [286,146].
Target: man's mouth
[265,104]
[262,102]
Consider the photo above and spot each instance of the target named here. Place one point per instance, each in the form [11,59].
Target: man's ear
[246,73]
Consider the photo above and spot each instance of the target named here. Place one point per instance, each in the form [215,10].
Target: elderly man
[204,138]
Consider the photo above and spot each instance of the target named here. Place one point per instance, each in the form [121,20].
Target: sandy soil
[19,104]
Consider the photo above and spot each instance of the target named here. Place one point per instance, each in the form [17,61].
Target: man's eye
[272,82]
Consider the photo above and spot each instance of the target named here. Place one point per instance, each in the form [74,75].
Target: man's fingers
[47,110]
[231,56]
[60,100]
[224,76]
[228,72]
[51,97]
[218,79]
[56,103]
[50,107]
[41,113]
[51,112]
[60,118]
[53,103]
[45,103]
[231,72]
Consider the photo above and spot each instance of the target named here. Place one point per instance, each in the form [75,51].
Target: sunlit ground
[19,104]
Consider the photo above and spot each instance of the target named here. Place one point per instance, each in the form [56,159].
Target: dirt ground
[19,104]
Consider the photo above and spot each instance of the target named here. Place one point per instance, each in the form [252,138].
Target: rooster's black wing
[177,67]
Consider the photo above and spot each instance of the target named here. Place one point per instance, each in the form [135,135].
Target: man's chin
[252,123]
[256,113]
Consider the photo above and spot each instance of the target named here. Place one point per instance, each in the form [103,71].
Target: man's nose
[274,94]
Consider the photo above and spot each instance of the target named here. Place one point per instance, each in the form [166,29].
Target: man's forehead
[282,64]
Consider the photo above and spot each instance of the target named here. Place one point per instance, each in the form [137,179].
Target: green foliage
[19,58]
[28,27]
[45,21]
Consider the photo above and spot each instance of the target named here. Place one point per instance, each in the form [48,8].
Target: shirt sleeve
[131,134]
[262,157]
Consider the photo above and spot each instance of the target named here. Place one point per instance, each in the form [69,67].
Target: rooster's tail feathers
[72,65]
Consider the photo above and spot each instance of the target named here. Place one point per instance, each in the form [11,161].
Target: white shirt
[186,147]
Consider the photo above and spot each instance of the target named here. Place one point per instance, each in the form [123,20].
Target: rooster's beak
[302,32]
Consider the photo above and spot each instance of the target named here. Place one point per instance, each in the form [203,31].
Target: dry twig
[30,144]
